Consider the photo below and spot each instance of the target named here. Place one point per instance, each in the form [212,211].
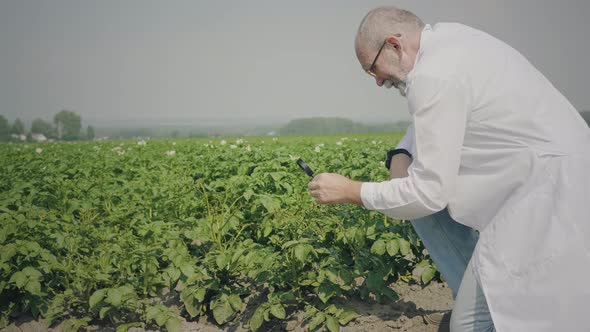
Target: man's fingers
[318,199]
[315,189]
[317,195]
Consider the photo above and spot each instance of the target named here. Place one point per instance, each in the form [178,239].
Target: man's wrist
[355,193]
[394,152]
[399,166]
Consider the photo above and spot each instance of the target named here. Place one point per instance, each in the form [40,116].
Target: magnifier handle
[305,167]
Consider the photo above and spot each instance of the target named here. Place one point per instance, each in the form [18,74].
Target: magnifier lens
[304,167]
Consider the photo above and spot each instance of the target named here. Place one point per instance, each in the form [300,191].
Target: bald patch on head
[381,22]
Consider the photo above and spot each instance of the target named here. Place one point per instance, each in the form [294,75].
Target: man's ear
[394,41]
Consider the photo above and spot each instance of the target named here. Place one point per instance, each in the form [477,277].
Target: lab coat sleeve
[439,109]
[408,140]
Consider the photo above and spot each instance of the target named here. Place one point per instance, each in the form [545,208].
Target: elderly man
[494,146]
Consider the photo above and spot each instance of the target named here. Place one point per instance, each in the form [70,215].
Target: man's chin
[400,87]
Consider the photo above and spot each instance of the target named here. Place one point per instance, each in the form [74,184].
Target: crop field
[105,233]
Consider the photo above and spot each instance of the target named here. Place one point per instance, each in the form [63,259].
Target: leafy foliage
[41,126]
[68,125]
[4,128]
[100,232]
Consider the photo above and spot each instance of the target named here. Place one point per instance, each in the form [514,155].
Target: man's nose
[379,81]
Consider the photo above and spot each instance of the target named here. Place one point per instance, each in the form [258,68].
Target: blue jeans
[450,245]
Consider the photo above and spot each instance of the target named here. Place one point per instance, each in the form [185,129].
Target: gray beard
[397,83]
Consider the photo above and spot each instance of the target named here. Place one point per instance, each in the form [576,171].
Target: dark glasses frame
[370,70]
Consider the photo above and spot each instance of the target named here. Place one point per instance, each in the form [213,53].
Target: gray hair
[382,22]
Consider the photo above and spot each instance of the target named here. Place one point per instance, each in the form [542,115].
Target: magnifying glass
[305,167]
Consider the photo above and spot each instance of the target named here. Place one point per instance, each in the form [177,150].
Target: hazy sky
[256,60]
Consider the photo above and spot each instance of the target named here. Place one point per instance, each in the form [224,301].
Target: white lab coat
[507,154]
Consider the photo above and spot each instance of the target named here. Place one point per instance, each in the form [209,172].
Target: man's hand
[331,188]
[399,166]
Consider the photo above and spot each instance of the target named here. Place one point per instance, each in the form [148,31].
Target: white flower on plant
[274,139]
[239,141]
[321,145]
[38,150]
[233,146]
[170,153]
[142,143]
[116,148]
[223,142]
[344,138]
[317,149]
[374,142]
[293,157]
[121,152]
[248,148]
[173,143]
[339,143]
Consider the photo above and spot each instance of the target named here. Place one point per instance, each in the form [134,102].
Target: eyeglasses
[370,70]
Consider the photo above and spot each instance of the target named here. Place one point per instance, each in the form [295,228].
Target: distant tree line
[323,125]
[67,125]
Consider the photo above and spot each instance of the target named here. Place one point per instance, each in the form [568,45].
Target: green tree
[18,127]
[90,133]
[68,125]
[4,129]
[40,126]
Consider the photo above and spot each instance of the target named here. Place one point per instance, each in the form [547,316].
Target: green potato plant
[112,232]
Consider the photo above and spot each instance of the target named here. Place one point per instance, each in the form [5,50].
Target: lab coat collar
[424,38]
